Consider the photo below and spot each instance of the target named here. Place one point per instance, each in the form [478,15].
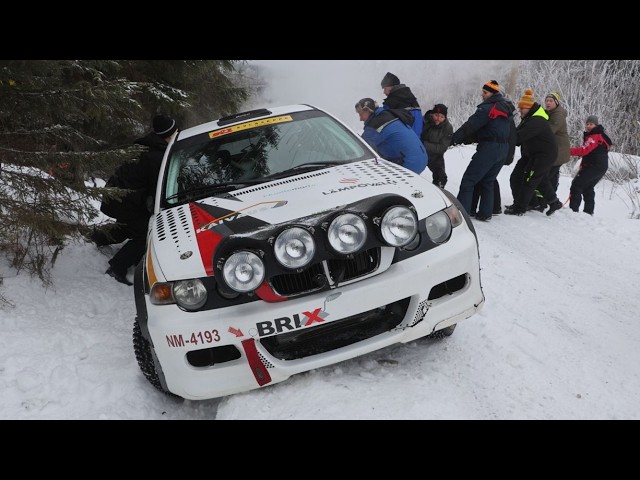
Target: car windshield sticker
[247,125]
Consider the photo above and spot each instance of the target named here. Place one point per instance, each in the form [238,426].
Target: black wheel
[144,356]
[445,332]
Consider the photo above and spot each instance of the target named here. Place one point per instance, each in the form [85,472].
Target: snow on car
[281,243]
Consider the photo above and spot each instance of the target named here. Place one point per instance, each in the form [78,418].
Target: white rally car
[282,243]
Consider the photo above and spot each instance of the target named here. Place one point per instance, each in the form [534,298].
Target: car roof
[252,114]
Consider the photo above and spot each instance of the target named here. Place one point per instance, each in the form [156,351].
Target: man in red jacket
[595,162]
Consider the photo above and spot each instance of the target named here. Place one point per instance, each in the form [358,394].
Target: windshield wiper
[314,164]
[304,167]
[213,189]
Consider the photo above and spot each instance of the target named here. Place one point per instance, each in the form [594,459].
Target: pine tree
[64,122]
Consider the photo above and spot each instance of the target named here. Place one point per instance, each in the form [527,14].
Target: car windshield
[257,151]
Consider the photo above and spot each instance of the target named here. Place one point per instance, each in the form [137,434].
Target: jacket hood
[153,141]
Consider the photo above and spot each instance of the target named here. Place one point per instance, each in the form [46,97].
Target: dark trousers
[530,180]
[554,181]
[497,200]
[436,165]
[482,171]
[583,186]
[554,177]
[135,230]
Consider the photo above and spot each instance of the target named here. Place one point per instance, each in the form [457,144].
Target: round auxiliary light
[294,247]
[243,271]
[347,233]
[399,226]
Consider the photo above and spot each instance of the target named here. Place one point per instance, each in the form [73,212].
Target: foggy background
[336,85]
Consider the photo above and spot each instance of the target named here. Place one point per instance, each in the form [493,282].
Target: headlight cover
[243,271]
[190,294]
[294,247]
[399,226]
[454,215]
[347,233]
[439,227]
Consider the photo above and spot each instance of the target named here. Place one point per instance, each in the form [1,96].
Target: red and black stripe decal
[258,369]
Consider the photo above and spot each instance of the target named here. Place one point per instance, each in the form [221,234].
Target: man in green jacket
[558,122]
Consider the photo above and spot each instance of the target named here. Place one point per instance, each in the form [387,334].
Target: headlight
[439,227]
[454,215]
[190,294]
[347,233]
[399,226]
[243,271]
[294,248]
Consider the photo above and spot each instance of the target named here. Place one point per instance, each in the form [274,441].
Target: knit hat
[366,103]
[527,99]
[555,96]
[592,119]
[389,80]
[164,126]
[491,86]
[440,108]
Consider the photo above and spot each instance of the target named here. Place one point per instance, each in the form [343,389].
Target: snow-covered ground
[558,337]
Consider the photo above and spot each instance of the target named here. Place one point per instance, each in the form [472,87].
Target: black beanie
[440,108]
[389,80]
[164,126]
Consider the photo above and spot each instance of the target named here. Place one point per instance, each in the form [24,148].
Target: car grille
[329,272]
[339,333]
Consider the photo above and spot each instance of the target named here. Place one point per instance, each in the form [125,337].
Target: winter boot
[119,276]
[539,208]
[515,210]
[553,206]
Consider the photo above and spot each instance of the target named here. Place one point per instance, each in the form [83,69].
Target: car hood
[184,238]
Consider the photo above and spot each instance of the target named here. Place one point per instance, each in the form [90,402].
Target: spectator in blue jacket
[489,127]
[390,136]
[401,96]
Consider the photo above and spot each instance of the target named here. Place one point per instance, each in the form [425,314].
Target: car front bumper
[259,343]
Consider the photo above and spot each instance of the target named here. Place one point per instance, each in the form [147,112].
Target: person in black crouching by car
[132,212]
[539,150]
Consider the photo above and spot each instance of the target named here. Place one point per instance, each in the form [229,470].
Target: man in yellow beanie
[539,150]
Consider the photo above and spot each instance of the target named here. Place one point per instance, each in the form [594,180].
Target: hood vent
[173,222]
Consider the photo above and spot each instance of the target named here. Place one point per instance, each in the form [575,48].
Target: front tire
[144,356]
[445,332]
